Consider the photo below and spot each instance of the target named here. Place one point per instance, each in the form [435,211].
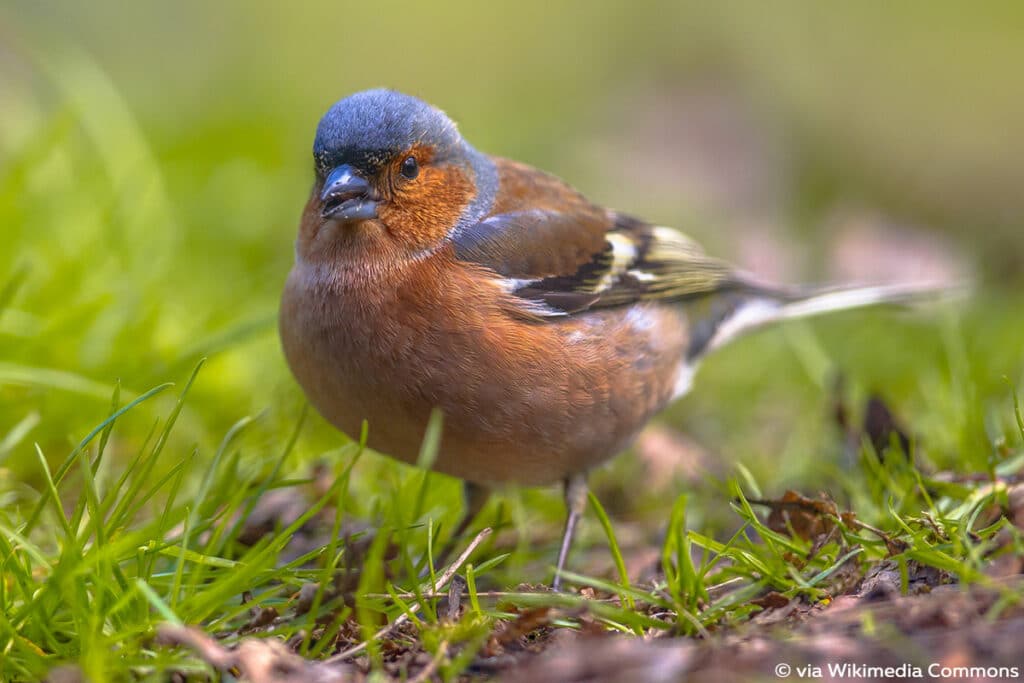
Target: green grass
[136,243]
[91,582]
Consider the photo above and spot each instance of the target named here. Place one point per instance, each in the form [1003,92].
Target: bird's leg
[575,502]
[475,497]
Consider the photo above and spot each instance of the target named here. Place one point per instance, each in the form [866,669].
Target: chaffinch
[546,328]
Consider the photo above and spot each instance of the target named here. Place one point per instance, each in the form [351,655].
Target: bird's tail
[754,307]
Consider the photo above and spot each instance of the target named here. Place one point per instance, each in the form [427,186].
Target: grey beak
[347,196]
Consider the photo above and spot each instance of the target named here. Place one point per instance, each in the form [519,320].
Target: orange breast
[524,402]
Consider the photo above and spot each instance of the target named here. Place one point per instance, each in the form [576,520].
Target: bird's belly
[524,403]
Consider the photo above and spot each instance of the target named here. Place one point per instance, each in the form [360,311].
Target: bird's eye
[410,169]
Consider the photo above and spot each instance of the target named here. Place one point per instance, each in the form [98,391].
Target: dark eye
[410,169]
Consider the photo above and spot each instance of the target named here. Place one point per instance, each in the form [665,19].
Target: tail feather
[765,306]
[829,300]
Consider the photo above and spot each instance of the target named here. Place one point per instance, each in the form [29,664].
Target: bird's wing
[561,263]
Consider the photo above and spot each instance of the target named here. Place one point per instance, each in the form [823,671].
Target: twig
[481,594]
[445,577]
[725,585]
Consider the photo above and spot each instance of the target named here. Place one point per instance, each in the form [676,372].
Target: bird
[545,328]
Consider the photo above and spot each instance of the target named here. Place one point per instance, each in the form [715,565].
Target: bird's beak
[347,196]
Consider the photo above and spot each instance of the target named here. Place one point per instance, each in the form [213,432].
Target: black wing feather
[547,261]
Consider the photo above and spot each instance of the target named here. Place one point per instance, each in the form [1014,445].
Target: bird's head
[393,174]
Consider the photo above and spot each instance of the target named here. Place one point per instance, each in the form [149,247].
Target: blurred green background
[154,158]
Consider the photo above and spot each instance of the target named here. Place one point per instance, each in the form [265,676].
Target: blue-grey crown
[370,127]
